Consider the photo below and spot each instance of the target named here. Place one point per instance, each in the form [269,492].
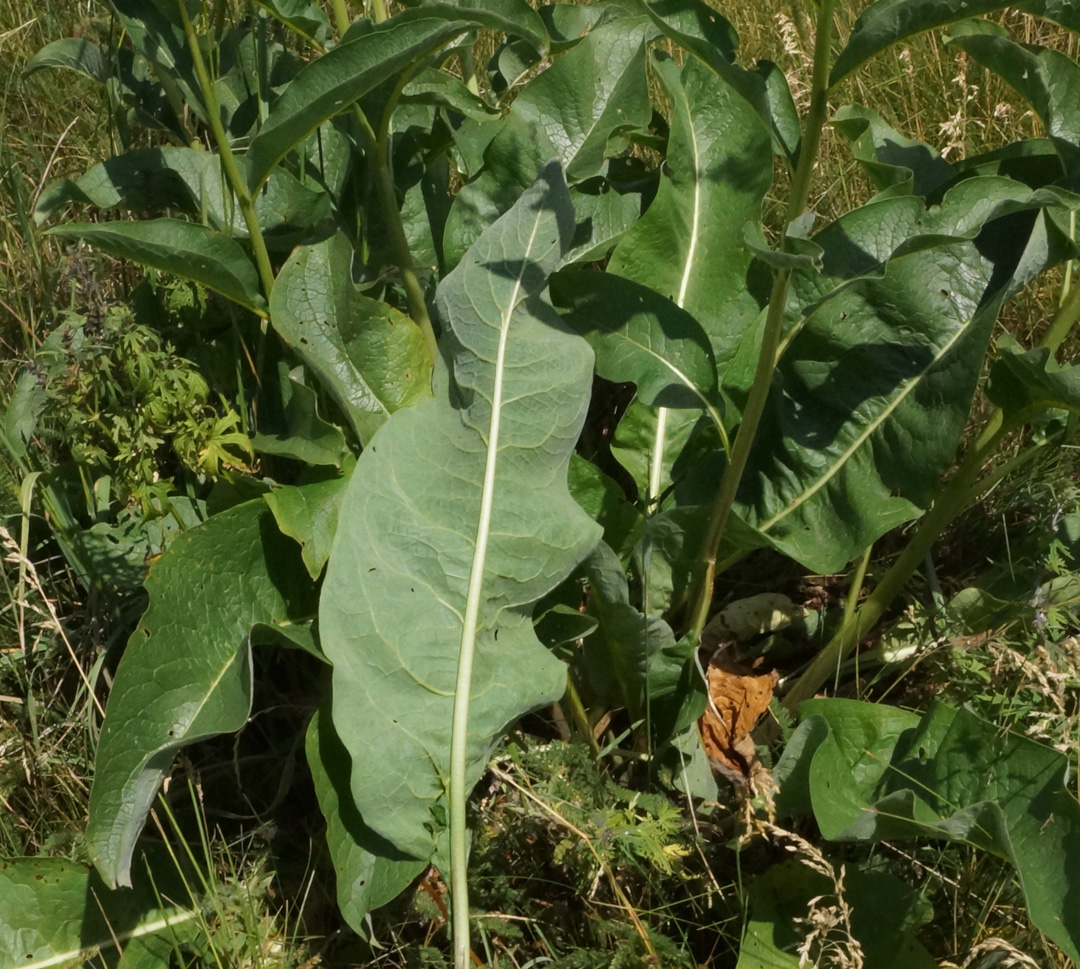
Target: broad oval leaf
[872,393]
[186,673]
[55,912]
[868,405]
[873,772]
[73,53]
[459,507]
[182,248]
[370,357]
[330,84]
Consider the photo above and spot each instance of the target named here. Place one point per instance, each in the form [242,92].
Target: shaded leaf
[882,773]
[619,653]
[641,337]
[885,22]
[55,912]
[1022,384]
[73,53]
[1046,78]
[605,503]
[304,436]
[181,248]
[689,246]
[569,112]
[186,674]
[369,356]
[309,514]
[894,162]
[331,83]
[369,871]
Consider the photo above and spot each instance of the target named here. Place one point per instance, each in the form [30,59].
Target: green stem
[399,244]
[376,149]
[962,491]
[954,498]
[228,160]
[341,17]
[1063,322]
[854,590]
[701,599]
[379,11]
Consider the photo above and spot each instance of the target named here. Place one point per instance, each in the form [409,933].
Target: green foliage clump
[122,402]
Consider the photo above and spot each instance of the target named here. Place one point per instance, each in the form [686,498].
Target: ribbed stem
[701,597]
[228,160]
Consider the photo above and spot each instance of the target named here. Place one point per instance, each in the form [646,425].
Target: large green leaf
[186,674]
[640,336]
[881,773]
[330,84]
[885,22]
[569,112]
[73,53]
[688,246]
[369,356]
[182,248]
[370,872]
[55,912]
[873,391]
[1048,79]
[456,521]
[619,653]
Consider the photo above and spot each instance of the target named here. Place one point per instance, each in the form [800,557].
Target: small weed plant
[537,345]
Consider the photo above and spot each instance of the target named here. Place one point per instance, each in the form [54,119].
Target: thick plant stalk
[950,503]
[963,489]
[375,147]
[228,160]
[701,599]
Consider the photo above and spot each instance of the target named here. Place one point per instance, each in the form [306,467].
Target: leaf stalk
[701,598]
[228,159]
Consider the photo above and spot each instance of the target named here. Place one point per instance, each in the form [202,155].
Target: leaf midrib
[871,428]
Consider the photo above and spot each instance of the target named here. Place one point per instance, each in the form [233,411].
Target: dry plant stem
[228,160]
[701,600]
[616,888]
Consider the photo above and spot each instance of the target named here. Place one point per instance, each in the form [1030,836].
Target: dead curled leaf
[738,696]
